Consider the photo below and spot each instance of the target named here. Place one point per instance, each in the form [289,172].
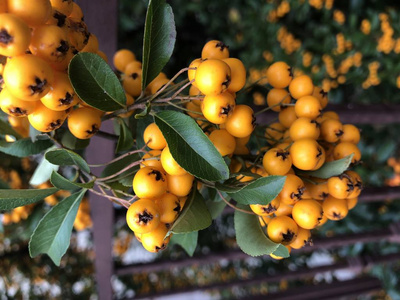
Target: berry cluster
[37,41]
[161,186]
[303,140]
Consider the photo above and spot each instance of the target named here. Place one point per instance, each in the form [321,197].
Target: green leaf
[53,233]
[385,150]
[215,208]
[10,199]
[158,41]
[190,147]
[194,216]
[64,157]
[95,82]
[332,168]
[25,147]
[251,238]
[71,142]
[64,184]
[6,128]
[125,140]
[43,172]
[188,241]
[260,191]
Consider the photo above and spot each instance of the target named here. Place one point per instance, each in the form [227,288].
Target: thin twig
[119,172]
[233,206]
[121,157]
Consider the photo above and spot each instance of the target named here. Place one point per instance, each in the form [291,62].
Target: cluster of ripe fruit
[305,138]
[37,41]
[161,184]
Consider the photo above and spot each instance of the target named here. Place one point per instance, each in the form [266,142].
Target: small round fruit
[266,210]
[218,108]
[192,70]
[155,240]
[142,216]
[213,77]
[351,134]
[169,163]
[331,130]
[46,120]
[215,49]
[340,186]
[63,6]
[61,95]
[277,161]
[321,95]
[14,106]
[308,107]
[121,58]
[284,210]
[238,74]
[15,35]
[32,12]
[28,77]
[180,185]
[276,98]
[307,154]
[241,122]
[304,128]
[301,86]
[84,122]
[344,149]
[282,230]
[154,138]
[169,207]
[307,213]
[132,78]
[49,42]
[287,116]
[149,182]
[279,75]
[223,141]
[292,190]
[357,183]
[303,239]
[335,209]
[152,159]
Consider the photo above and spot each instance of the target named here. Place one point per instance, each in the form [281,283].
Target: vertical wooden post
[101,19]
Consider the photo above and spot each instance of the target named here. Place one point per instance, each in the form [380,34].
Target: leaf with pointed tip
[53,233]
[95,82]
[25,147]
[188,241]
[64,184]
[43,172]
[251,238]
[260,191]
[10,199]
[190,147]
[331,168]
[64,157]
[6,128]
[125,140]
[158,41]
[194,216]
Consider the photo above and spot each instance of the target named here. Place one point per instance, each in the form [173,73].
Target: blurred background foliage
[350,48]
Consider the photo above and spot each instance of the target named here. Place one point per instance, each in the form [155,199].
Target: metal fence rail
[355,264]
[387,234]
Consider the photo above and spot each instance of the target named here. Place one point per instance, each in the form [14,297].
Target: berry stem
[120,157]
[233,206]
[119,172]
